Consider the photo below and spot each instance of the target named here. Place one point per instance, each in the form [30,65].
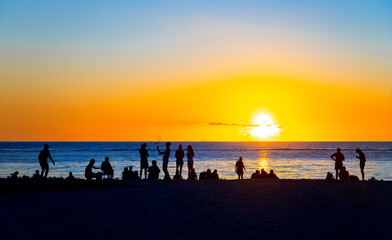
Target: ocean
[289,160]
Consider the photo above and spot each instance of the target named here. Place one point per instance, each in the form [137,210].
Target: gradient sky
[195,70]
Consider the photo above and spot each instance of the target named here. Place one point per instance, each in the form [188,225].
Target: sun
[265,127]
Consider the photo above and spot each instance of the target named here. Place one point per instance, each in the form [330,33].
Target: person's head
[168,144]
[343,168]
[70,174]
[46,146]
[262,170]
[144,145]
[154,163]
[358,150]
[189,147]
[271,171]
[92,161]
[106,159]
[215,171]
[125,169]
[180,147]
[240,159]
[338,149]
[130,168]
[36,171]
[257,172]
[208,170]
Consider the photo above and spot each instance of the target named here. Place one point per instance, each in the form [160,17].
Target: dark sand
[248,209]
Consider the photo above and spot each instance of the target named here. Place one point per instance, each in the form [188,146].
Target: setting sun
[266,128]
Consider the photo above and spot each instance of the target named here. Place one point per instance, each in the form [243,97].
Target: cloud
[232,124]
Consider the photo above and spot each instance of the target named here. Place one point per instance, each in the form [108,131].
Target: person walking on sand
[165,160]
[143,160]
[190,154]
[338,157]
[362,160]
[43,160]
[179,159]
[239,168]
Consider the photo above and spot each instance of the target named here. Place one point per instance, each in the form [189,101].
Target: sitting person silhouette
[203,175]
[125,174]
[88,173]
[14,175]
[271,174]
[329,176]
[153,171]
[214,175]
[208,175]
[263,173]
[192,175]
[36,175]
[344,174]
[70,176]
[133,174]
[177,176]
[255,175]
[43,160]
[107,169]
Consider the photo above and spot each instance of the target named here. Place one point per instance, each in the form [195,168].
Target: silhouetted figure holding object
[192,175]
[362,160]
[153,171]
[143,160]
[255,175]
[43,160]
[165,160]
[88,173]
[239,168]
[179,159]
[107,169]
[338,157]
[190,154]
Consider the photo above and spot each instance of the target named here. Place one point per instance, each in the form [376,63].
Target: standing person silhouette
[338,157]
[190,154]
[143,160]
[165,160]
[362,160]
[239,168]
[179,159]
[43,160]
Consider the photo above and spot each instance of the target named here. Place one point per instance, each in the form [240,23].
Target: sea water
[289,160]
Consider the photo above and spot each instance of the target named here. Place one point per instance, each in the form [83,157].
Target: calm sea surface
[293,160]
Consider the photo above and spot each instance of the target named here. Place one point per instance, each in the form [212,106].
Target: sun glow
[266,128]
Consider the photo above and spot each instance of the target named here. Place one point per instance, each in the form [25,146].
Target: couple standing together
[165,160]
[338,157]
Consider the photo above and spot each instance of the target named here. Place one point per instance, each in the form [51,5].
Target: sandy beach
[248,209]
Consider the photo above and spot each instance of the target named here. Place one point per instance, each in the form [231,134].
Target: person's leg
[177,167]
[337,174]
[42,171]
[180,170]
[46,172]
[363,173]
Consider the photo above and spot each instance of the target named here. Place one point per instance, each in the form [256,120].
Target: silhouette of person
[343,174]
[263,173]
[192,175]
[215,175]
[329,176]
[133,174]
[239,168]
[179,159]
[271,174]
[36,175]
[43,160]
[70,176]
[107,169]
[255,175]
[203,175]
[143,160]
[208,174]
[14,175]
[153,171]
[165,160]
[125,173]
[177,176]
[362,160]
[190,154]
[338,157]
[88,172]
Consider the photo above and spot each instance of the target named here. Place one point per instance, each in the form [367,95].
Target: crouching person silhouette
[88,173]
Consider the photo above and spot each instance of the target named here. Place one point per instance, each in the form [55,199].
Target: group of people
[153,171]
[341,171]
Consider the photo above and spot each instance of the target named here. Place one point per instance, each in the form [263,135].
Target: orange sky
[320,72]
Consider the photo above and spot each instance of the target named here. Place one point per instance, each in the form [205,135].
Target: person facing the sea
[153,171]
[43,160]
[239,168]
[190,154]
[88,173]
[179,159]
[143,160]
[107,169]
[362,160]
[192,175]
[165,160]
[255,175]
[271,174]
[344,174]
[338,157]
